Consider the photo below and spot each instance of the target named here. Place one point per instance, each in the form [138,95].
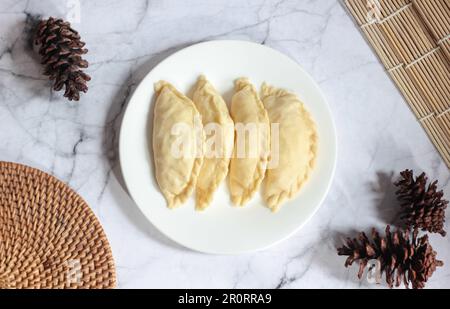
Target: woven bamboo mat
[411,38]
[49,237]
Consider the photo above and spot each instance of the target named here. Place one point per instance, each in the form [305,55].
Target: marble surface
[77,142]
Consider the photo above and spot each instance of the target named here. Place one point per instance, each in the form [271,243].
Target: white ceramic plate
[224,229]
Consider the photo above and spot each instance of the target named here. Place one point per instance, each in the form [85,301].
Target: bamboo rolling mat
[412,40]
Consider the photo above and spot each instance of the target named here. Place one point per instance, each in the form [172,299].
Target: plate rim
[235,252]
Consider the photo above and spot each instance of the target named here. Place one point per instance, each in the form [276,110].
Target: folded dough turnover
[219,133]
[251,149]
[177,168]
[297,146]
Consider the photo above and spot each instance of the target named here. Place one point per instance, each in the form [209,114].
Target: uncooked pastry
[297,146]
[176,173]
[247,169]
[219,133]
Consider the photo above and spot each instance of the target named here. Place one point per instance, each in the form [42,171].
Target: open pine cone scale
[422,207]
[62,53]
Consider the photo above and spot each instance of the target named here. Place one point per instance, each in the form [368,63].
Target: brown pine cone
[402,257]
[61,49]
[422,207]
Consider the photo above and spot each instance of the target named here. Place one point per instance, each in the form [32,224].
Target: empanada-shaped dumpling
[177,144]
[297,146]
[252,143]
[219,133]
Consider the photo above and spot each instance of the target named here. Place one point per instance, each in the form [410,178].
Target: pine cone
[422,207]
[62,50]
[402,259]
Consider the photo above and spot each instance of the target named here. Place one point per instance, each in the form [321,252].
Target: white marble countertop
[77,142]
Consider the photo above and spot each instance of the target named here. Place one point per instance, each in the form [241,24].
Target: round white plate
[224,229]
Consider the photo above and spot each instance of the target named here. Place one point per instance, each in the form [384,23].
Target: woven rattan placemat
[411,37]
[49,237]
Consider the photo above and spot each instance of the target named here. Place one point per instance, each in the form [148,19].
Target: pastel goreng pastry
[176,173]
[297,146]
[219,132]
[251,151]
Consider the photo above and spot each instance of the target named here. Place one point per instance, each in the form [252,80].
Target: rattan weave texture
[49,237]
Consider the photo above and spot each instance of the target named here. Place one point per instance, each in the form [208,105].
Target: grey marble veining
[77,142]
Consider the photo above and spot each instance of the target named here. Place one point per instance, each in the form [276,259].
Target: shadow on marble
[111,141]
[386,204]
[25,59]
